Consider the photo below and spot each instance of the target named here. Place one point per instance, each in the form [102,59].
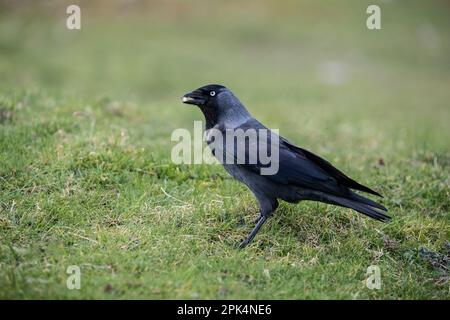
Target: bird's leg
[255,230]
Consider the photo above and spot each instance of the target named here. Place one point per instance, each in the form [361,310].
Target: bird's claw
[259,223]
[243,244]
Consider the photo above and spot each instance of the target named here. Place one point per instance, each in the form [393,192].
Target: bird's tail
[363,205]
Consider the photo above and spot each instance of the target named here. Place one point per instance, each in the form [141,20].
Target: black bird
[301,174]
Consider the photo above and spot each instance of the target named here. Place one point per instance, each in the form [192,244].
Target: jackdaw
[300,174]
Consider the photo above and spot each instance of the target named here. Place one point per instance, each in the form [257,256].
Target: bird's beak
[193,97]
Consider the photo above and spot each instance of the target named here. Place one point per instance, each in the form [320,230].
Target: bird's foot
[255,230]
[243,244]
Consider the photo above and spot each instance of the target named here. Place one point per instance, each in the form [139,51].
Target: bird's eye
[212,93]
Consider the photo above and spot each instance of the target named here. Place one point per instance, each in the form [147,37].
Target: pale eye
[212,93]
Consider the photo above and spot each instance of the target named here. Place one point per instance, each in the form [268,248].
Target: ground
[86,177]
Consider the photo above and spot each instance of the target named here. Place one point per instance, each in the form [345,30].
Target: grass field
[86,177]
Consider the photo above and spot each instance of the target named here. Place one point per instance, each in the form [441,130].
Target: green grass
[85,171]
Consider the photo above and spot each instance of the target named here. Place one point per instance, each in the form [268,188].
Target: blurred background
[307,56]
[85,123]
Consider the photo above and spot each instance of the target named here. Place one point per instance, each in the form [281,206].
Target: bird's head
[206,96]
[217,103]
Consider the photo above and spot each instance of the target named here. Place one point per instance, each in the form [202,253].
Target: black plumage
[301,175]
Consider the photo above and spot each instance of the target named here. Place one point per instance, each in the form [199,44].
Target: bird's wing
[300,167]
[340,177]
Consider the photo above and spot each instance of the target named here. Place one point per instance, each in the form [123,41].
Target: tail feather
[362,205]
[358,198]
